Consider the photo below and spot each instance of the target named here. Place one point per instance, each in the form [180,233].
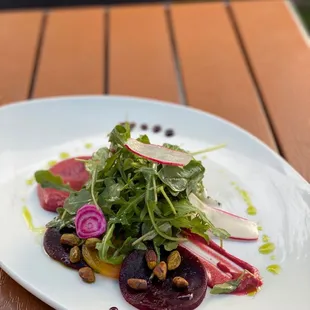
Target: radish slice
[222,266]
[238,227]
[157,153]
[90,222]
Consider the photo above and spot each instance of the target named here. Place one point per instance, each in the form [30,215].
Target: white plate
[33,133]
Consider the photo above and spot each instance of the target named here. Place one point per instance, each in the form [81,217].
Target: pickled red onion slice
[90,222]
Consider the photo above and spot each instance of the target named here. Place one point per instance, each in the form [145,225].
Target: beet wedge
[238,227]
[72,172]
[57,251]
[226,273]
[158,154]
[161,294]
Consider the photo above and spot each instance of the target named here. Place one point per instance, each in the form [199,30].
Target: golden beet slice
[92,259]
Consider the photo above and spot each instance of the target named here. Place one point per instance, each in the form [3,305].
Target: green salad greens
[142,201]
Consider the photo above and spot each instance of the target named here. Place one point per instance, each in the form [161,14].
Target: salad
[139,213]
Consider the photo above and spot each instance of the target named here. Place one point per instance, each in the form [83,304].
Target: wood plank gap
[176,59]
[38,54]
[106,42]
[253,76]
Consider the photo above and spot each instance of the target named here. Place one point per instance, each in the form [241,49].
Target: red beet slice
[72,172]
[162,295]
[57,251]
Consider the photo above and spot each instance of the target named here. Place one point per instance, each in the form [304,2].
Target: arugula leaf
[98,160]
[140,246]
[93,166]
[133,230]
[119,135]
[112,192]
[46,179]
[227,287]
[144,139]
[174,147]
[151,201]
[104,246]
[170,245]
[179,179]
[64,219]
[127,210]
[76,200]
[220,233]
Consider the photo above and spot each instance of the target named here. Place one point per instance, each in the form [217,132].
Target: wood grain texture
[281,61]
[72,54]
[13,296]
[215,74]
[19,34]
[140,54]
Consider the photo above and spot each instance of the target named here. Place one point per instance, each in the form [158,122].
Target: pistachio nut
[91,243]
[87,274]
[151,259]
[174,260]
[69,239]
[75,254]
[160,271]
[137,284]
[180,282]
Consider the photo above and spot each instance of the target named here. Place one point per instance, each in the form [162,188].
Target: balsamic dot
[169,132]
[113,308]
[156,128]
[144,127]
[132,125]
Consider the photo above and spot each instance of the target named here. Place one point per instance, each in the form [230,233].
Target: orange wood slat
[215,74]
[19,36]
[13,296]
[72,54]
[281,61]
[140,54]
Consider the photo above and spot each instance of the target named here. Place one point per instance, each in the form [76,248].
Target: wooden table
[248,62]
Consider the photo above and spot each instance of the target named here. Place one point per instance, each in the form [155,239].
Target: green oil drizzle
[275,269]
[52,163]
[265,238]
[88,145]
[273,257]
[30,181]
[204,157]
[267,248]
[64,155]
[251,210]
[28,218]
[260,228]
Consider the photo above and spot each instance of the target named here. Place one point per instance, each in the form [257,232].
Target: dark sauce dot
[132,125]
[113,308]
[144,127]
[169,132]
[156,128]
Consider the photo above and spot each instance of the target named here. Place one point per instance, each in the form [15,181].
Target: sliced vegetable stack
[138,197]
